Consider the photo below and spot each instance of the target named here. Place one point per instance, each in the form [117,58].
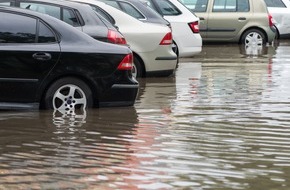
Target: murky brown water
[222,123]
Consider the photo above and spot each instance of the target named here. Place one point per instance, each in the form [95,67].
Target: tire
[253,37]
[68,94]
[137,70]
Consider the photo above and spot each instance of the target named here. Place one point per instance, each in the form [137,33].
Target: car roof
[88,16]
[58,2]
[109,9]
[57,24]
[150,14]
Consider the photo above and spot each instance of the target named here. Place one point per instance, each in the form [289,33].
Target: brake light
[116,38]
[126,63]
[194,26]
[271,21]
[167,40]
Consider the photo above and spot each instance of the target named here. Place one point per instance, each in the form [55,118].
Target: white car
[150,43]
[280,10]
[185,25]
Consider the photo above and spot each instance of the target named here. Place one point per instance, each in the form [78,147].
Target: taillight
[167,40]
[194,27]
[271,21]
[115,37]
[126,63]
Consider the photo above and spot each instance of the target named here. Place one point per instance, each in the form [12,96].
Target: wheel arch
[277,32]
[177,48]
[142,63]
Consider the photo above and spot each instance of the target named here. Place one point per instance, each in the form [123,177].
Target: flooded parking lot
[223,122]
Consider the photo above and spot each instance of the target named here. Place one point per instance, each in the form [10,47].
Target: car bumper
[161,62]
[188,43]
[119,95]
[271,33]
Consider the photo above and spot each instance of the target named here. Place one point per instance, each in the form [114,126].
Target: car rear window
[45,35]
[275,3]
[164,7]
[131,10]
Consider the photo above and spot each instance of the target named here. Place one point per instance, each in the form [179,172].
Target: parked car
[80,16]
[150,43]
[280,10]
[246,22]
[184,23]
[46,63]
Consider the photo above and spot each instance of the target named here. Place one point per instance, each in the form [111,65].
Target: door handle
[41,56]
[242,18]
[201,18]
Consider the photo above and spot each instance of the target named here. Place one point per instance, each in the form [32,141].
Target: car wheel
[68,94]
[137,68]
[253,37]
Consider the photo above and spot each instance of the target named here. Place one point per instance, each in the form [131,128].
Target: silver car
[244,21]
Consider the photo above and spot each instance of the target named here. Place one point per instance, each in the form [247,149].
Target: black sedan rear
[46,63]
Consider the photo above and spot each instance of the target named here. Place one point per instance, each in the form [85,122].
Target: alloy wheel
[69,97]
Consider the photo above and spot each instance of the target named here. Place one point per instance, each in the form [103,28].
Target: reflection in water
[70,118]
[221,123]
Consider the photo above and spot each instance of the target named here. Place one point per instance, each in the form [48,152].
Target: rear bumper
[119,95]
[271,33]
[161,62]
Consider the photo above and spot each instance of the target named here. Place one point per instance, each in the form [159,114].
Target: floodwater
[223,122]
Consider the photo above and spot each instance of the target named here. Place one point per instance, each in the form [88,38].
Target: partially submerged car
[46,63]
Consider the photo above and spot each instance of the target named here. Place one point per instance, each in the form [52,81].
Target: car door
[28,51]
[227,18]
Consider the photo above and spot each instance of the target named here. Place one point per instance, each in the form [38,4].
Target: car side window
[275,3]
[104,14]
[231,6]
[114,4]
[23,29]
[70,17]
[167,8]
[45,35]
[6,4]
[17,28]
[131,10]
[55,11]
[196,5]
[42,8]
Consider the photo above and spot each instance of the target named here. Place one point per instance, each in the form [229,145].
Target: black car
[46,63]
[138,10]
[78,15]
